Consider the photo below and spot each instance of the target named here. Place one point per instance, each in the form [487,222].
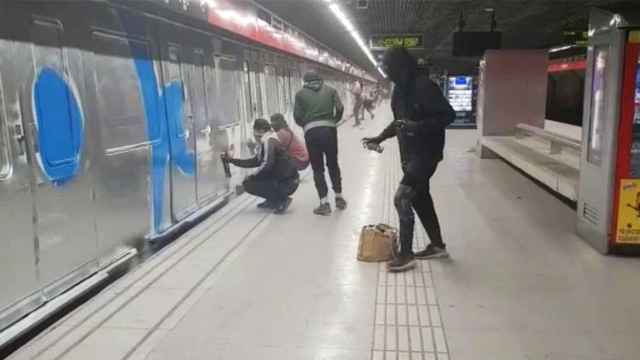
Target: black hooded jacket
[419,100]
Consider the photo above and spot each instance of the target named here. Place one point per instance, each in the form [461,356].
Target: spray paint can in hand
[225,164]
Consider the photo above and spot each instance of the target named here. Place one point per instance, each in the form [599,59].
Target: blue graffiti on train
[60,125]
[168,141]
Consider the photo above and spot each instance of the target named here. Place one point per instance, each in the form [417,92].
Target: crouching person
[275,177]
[293,146]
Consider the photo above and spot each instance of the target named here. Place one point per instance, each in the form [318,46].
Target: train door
[179,98]
[122,136]
[208,172]
[50,79]
[17,256]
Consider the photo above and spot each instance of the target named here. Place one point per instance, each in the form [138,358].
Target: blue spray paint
[60,127]
[168,144]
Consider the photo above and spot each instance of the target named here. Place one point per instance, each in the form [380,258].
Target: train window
[598,106]
[176,75]
[272,90]
[226,91]
[247,93]
[118,82]
[256,90]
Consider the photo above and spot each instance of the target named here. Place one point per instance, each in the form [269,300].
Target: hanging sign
[409,41]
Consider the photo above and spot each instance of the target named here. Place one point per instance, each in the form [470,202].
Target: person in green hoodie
[317,110]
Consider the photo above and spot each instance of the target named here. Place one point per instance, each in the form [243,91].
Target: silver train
[112,119]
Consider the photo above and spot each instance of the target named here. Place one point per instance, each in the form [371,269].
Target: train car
[565,85]
[112,118]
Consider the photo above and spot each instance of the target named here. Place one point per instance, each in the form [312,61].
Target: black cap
[278,122]
[261,125]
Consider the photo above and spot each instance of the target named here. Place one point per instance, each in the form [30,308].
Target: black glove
[370,140]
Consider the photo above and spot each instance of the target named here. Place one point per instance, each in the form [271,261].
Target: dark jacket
[317,104]
[421,101]
[271,161]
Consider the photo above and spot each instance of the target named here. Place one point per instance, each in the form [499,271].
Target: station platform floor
[247,284]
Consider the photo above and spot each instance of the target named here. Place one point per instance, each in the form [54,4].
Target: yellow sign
[389,41]
[628,227]
[634,37]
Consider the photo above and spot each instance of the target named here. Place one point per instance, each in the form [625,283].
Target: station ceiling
[524,23]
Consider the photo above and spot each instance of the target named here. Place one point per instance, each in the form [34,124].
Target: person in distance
[421,114]
[275,177]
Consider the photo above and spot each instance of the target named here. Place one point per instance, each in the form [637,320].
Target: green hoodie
[317,104]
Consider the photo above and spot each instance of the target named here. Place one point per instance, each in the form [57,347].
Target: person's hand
[225,156]
[370,141]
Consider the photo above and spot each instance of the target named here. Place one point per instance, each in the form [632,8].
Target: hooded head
[278,122]
[312,81]
[399,65]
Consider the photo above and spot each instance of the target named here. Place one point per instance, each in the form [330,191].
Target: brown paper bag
[377,243]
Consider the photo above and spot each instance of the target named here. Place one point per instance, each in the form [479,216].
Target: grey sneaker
[432,252]
[323,209]
[341,203]
[265,205]
[401,263]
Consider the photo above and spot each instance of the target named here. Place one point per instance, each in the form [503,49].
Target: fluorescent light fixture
[560,48]
[342,17]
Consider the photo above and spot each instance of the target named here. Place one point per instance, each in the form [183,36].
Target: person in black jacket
[421,114]
[276,176]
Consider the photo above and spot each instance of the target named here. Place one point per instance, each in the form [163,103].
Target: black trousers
[414,194]
[273,190]
[322,144]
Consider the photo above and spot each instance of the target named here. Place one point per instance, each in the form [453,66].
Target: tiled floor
[248,285]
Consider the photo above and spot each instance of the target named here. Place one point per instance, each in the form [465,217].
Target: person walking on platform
[276,177]
[369,104]
[317,110]
[356,90]
[421,115]
[290,142]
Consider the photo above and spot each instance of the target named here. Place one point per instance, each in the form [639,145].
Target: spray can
[225,165]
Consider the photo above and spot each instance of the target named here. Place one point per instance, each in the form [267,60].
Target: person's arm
[339,107]
[389,132]
[298,111]
[245,163]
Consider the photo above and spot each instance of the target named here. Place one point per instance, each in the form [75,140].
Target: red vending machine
[609,196]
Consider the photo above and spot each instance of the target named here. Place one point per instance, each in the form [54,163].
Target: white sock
[324,200]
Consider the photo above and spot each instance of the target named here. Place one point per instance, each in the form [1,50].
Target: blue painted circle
[60,126]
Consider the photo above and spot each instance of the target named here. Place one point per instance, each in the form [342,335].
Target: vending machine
[461,93]
[609,192]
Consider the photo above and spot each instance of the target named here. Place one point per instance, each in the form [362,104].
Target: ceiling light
[342,17]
